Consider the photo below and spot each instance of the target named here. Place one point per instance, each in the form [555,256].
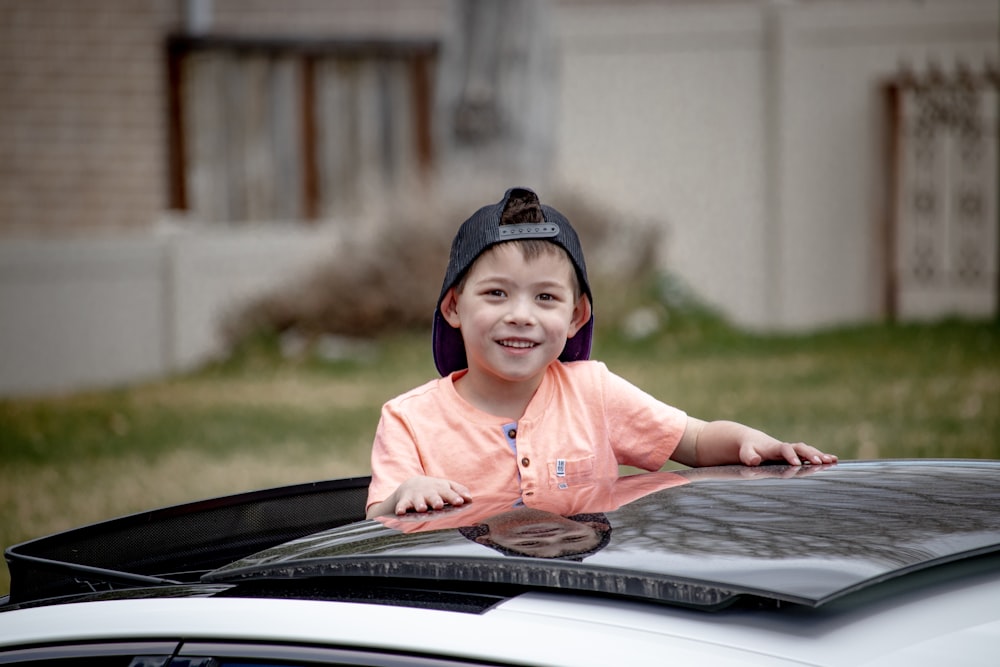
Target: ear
[449,308]
[581,315]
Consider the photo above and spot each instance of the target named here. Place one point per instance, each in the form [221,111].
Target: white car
[862,563]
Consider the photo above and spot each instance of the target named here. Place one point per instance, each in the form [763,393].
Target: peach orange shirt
[601,497]
[580,425]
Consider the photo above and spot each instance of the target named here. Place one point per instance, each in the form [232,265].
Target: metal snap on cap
[530,230]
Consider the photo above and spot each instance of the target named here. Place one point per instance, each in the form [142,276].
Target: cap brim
[578,347]
[449,350]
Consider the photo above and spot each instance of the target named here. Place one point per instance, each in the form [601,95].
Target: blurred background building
[812,163]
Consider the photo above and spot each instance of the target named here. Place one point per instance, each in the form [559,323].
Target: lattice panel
[946,227]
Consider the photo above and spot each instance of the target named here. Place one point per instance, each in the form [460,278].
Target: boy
[519,407]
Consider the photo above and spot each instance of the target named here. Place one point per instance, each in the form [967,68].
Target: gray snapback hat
[519,215]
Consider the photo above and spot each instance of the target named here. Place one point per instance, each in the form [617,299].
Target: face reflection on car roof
[801,534]
[526,531]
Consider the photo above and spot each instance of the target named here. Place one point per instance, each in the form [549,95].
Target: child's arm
[724,442]
[421,494]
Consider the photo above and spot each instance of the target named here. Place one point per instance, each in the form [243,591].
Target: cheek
[479,321]
[559,319]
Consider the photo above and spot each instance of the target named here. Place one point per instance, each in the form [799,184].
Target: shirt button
[526,462]
[512,433]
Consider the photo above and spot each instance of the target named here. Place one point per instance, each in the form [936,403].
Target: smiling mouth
[517,344]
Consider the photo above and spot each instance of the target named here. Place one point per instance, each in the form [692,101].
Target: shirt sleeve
[395,457]
[644,431]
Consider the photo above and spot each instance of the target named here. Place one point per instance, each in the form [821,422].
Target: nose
[520,311]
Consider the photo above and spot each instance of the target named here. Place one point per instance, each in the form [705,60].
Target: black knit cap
[519,215]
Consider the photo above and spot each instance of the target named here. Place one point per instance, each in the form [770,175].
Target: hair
[530,249]
[523,207]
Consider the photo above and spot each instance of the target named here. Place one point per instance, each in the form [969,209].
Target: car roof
[882,563]
[804,536]
[705,538]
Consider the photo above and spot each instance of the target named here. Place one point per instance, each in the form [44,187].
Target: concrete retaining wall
[86,313]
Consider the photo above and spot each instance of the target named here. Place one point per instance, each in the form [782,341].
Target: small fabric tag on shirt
[560,467]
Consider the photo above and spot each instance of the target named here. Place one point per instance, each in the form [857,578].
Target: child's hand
[722,442]
[423,493]
[759,448]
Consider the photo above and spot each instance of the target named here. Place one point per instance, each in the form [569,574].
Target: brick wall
[81,101]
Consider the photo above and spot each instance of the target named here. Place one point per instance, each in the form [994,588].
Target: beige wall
[831,193]
[99,312]
[755,132]
[662,112]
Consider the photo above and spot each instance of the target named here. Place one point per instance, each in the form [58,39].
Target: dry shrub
[385,275]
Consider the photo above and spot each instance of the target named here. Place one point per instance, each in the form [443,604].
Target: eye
[546,297]
[497,293]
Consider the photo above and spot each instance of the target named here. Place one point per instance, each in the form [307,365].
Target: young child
[519,408]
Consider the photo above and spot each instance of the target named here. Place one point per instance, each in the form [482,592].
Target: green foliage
[862,392]
[119,427]
[914,390]
[875,391]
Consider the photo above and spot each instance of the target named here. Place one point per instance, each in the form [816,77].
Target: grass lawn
[257,420]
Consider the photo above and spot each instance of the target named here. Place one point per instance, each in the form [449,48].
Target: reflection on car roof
[702,537]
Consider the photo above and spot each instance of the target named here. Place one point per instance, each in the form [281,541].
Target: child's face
[515,314]
[541,534]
